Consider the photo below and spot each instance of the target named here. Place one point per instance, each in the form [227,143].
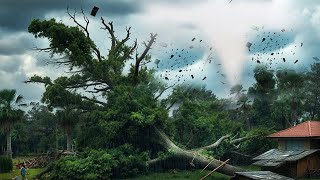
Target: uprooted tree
[125,106]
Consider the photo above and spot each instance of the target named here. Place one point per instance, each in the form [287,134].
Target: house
[252,175]
[300,137]
[298,153]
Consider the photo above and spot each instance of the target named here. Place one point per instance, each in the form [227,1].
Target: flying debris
[193,39]
[301,44]
[258,61]
[256,28]
[200,40]
[157,61]
[222,82]
[191,47]
[284,59]
[249,45]
[283,30]
[171,56]
[166,78]
[316,58]
[163,44]
[263,39]
[192,76]
[296,61]
[94,11]
[204,78]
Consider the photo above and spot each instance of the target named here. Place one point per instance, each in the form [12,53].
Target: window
[294,144]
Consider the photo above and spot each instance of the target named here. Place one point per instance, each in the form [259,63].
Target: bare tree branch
[94,100]
[42,49]
[85,29]
[214,145]
[143,55]
[164,91]
[128,35]
[109,27]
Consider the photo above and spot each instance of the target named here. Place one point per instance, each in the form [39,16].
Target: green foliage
[259,143]
[5,164]
[121,162]
[70,41]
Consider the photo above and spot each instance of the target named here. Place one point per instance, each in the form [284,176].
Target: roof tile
[305,129]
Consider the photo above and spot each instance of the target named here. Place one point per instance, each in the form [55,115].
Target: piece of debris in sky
[283,30]
[301,44]
[263,39]
[296,61]
[157,61]
[204,78]
[192,76]
[316,58]
[163,44]
[284,59]
[249,45]
[94,11]
[193,39]
[256,28]
[171,56]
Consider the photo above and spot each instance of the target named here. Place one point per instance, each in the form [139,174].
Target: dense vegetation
[111,118]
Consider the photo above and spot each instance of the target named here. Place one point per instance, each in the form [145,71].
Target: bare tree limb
[214,145]
[161,92]
[143,55]
[85,29]
[109,27]
[94,100]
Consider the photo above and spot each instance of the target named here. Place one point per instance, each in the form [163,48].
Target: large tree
[10,114]
[128,109]
[312,94]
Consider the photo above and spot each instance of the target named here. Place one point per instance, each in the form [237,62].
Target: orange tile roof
[306,129]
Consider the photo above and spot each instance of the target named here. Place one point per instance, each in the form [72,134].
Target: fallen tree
[103,76]
[194,158]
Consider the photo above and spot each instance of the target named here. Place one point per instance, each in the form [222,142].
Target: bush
[120,162]
[5,164]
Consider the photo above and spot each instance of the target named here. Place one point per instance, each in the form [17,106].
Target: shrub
[120,162]
[5,164]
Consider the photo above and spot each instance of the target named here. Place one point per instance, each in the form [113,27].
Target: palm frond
[19,99]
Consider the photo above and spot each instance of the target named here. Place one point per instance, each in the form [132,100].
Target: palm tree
[10,114]
[67,119]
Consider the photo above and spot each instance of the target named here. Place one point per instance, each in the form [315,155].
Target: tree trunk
[69,141]
[9,147]
[191,158]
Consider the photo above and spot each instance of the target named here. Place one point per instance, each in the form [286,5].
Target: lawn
[181,175]
[16,172]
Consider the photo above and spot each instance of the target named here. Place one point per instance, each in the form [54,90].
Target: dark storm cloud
[10,64]
[15,44]
[16,15]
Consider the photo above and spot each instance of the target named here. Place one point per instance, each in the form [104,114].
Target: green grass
[181,175]
[16,172]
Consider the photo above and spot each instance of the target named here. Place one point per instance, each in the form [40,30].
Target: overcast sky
[291,29]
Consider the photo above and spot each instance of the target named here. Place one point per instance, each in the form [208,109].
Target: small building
[298,153]
[303,136]
[252,175]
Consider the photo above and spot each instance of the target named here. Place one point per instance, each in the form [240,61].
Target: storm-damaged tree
[10,114]
[128,109]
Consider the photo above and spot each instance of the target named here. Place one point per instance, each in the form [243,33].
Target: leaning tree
[127,103]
